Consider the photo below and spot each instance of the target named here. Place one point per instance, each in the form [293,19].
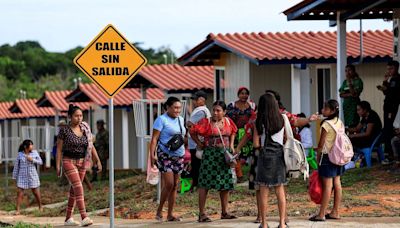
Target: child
[329,172]
[25,172]
[305,134]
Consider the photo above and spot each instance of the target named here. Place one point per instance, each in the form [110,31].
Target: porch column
[341,57]
[47,146]
[56,120]
[295,89]
[125,140]
[6,139]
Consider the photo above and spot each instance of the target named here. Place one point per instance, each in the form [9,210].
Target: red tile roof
[57,100]
[123,98]
[5,112]
[27,108]
[177,77]
[258,47]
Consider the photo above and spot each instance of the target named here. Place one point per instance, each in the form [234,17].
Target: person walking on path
[350,92]
[75,150]
[101,144]
[219,135]
[25,173]
[167,150]
[329,172]
[201,111]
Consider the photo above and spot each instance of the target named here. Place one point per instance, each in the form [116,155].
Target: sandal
[258,220]
[286,225]
[228,216]
[316,219]
[174,219]
[260,226]
[159,218]
[328,216]
[204,218]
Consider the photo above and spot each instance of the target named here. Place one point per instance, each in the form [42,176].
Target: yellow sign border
[93,42]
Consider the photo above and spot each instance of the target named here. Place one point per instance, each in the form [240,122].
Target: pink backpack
[342,150]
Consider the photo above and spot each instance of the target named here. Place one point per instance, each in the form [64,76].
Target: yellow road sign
[110,61]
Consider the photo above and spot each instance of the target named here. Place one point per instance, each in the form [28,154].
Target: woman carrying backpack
[271,169]
[329,172]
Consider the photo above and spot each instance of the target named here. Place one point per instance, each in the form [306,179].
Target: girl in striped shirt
[25,172]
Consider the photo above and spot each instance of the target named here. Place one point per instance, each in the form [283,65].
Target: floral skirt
[166,163]
[214,172]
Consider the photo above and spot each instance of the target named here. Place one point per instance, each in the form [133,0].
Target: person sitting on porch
[369,127]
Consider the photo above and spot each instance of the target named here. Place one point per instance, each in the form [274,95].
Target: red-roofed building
[301,66]
[125,145]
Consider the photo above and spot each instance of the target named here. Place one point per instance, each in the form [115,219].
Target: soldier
[101,145]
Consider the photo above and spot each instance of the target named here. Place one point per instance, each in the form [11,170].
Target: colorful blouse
[240,117]
[210,132]
[73,145]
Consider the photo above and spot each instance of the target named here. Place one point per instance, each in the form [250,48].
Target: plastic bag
[315,188]
[152,173]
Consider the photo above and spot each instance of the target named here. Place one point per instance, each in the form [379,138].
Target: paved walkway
[243,222]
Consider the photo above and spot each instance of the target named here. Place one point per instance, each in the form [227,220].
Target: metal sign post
[111,150]
[110,61]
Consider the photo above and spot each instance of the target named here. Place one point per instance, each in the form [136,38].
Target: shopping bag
[315,188]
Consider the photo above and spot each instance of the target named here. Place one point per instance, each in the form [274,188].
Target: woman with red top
[219,134]
[241,112]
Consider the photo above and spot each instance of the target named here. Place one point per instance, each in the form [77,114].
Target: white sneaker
[86,222]
[71,222]
[385,162]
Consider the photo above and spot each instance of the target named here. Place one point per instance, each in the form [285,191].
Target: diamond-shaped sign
[110,61]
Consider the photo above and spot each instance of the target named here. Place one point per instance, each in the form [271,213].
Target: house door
[323,86]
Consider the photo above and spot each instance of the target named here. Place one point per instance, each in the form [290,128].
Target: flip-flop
[159,218]
[328,216]
[174,219]
[316,219]
[204,218]
[228,216]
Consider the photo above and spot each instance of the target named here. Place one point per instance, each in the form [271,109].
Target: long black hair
[72,109]
[170,101]
[25,144]
[268,115]
[332,105]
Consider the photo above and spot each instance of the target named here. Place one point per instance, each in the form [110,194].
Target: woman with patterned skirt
[219,134]
[241,112]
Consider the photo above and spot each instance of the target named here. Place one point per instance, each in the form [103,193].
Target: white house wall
[273,77]
[237,74]
[118,138]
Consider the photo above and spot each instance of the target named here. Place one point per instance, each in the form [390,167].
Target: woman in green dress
[219,134]
[350,92]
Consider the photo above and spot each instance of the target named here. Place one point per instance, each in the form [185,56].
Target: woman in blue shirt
[168,126]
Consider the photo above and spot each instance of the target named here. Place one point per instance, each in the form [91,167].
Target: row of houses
[300,66]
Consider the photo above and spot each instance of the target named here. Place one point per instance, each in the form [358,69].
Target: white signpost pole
[111,149]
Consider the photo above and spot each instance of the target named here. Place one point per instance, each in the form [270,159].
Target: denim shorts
[271,169]
[328,169]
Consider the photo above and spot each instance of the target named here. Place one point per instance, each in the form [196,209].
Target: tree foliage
[28,66]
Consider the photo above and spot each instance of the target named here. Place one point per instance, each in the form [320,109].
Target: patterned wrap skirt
[214,172]
[166,163]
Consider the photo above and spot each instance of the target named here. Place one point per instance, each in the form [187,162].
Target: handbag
[230,159]
[176,140]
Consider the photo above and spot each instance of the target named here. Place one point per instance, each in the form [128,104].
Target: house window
[219,75]
[324,86]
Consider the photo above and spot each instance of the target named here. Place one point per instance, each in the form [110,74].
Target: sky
[60,25]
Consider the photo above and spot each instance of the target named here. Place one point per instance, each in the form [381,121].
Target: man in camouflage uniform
[101,144]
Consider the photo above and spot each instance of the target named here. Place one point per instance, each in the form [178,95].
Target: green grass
[134,196]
